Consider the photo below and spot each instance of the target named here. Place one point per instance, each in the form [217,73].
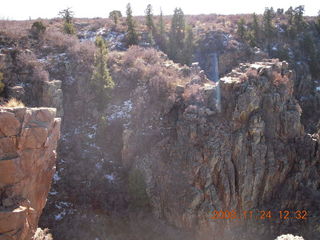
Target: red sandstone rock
[27,164]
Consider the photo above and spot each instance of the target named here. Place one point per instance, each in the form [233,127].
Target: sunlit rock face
[28,141]
[252,155]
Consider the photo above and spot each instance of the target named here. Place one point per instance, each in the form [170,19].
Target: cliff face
[244,151]
[28,141]
[199,146]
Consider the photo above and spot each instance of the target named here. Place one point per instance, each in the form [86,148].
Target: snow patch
[60,216]
[109,177]
[53,193]
[56,177]
[122,111]
[99,165]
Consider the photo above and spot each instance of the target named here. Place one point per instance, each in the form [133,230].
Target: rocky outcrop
[242,152]
[52,95]
[28,141]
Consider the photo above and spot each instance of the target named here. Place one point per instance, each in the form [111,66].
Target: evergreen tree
[256,30]
[188,47]
[132,37]
[38,29]
[296,23]
[291,33]
[280,11]
[268,27]
[241,30]
[101,80]
[149,18]
[177,36]
[150,25]
[115,15]
[289,14]
[162,42]
[67,15]
[298,20]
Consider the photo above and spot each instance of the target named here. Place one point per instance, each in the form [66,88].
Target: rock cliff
[245,151]
[28,141]
[193,145]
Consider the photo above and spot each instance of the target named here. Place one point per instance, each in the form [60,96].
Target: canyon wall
[28,141]
[245,152]
[193,146]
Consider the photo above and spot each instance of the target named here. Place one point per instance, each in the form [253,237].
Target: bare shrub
[27,61]
[56,38]
[15,29]
[82,53]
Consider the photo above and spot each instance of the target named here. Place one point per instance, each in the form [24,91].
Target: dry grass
[12,103]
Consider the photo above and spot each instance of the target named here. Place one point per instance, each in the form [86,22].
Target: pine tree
[188,47]
[162,41]
[132,37]
[296,23]
[298,20]
[256,30]
[241,30]
[149,18]
[280,11]
[268,27]
[291,32]
[101,80]
[115,15]
[289,14]
[177,35]
[67,15]
[150,25]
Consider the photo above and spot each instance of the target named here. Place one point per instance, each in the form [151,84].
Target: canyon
[235,131]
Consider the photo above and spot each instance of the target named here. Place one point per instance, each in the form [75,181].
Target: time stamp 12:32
[258,215]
